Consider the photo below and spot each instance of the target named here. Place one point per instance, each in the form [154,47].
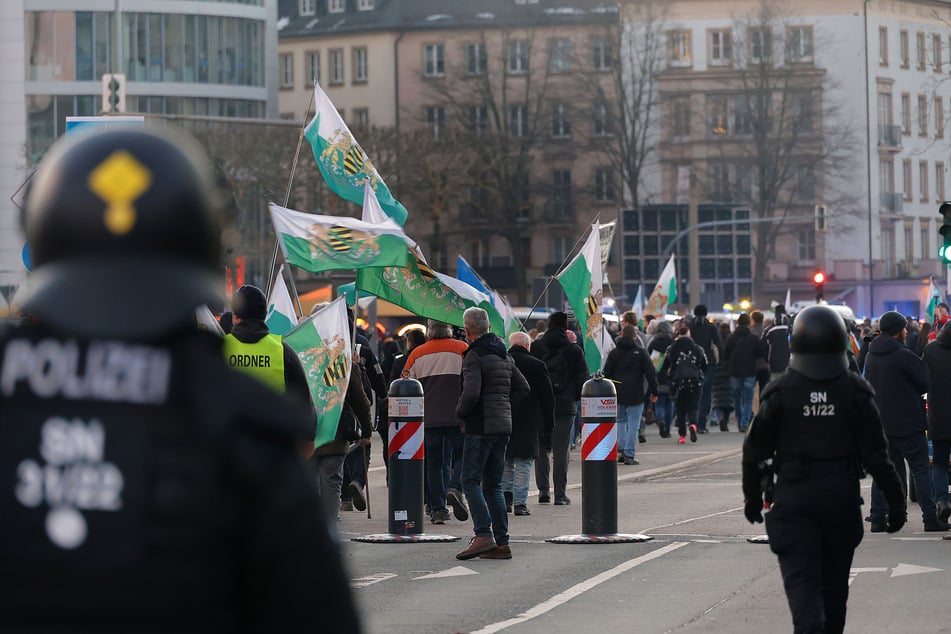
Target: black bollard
[599,457]
[405,452]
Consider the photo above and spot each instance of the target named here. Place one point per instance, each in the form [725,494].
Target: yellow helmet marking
[119,180]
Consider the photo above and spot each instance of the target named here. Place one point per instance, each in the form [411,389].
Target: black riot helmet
[124,233]
[818,343]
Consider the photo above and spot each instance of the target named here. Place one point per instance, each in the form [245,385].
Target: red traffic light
[819,278]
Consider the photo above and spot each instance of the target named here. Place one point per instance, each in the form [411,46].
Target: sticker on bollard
[405,407]
[599,441]
[406,441]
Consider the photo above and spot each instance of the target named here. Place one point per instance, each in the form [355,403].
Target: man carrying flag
[937,311]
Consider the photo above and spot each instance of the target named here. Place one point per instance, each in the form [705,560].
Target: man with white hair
[532,417]
[489,380]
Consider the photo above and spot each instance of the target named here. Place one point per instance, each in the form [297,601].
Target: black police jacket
[148,487]
[809,428]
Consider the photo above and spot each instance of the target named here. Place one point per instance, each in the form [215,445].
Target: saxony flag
[281,316]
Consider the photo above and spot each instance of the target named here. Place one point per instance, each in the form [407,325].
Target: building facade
[203,58]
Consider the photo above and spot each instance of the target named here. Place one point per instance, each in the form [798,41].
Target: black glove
[754,511]
[896,519]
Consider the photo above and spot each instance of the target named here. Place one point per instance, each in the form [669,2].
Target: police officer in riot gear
[144,485]
[818,429]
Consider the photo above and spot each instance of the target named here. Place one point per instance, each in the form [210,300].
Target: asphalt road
[698,573]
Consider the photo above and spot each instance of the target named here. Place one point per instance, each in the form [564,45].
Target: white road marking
[457,571]
[578,589]
[903,570]
[692,519]
[369,580]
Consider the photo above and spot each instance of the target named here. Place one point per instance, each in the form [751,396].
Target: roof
[413,15]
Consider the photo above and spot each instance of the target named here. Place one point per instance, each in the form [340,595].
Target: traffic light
[819,282]
[113,92]
[821,218]
[944,251]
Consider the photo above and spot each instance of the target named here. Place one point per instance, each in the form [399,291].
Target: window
[903,48]
[939,181]
[678,48]
[717,107]
[936,52]
[518,121]
[920,53]
[475,58]
[807,245]
[559,56]
[719,185]
[721,48]
[680,117]
[885,108]
[907,179]
[561,120]
[518,56]
[925,240]
[336,66]
[799,44]
[883,45]
[939,117]
[436,121]
[602,119]
[744,182]
[359,64]
[478,119]
[312,62]
[802,106]
[435,64]
[523,192]
[761,44]
[307,7]
[805,184]
[361,118]
[335,6]
[560,249]
[923,180]
[364,5]
[287,70]
[602,55]
[905,113]
[922,115]
[561,193]
[604,185]
[742,121]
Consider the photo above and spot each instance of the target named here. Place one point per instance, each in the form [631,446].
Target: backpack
[685,373]
[557,370]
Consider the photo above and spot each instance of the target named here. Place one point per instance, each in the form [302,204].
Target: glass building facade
[175,63]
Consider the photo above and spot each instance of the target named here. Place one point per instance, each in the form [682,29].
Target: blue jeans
[628,425]
[515,478]
[914,449]
[664,411]
[939,468]
[354,471]
[483,461]
[743,399]
[706,394]
[443,446]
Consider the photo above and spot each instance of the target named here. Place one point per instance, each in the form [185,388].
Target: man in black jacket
[707,336]
[776,339]
[938,359]
[192,510]
[900,378]
[741,350]
[629,366]
[568,372]
[532,417]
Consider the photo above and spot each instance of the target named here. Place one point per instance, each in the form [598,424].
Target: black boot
[508,501]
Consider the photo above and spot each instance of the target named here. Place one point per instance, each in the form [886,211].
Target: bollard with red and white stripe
[406,467]
[599,510]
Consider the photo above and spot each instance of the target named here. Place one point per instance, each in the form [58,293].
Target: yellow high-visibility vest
[263,359]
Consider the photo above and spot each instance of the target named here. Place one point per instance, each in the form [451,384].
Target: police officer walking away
[819,427]
[182,504]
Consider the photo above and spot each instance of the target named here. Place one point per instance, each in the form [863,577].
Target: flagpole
[551,279]
[287,197]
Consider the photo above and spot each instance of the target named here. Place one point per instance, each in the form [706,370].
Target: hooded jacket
[899,379]
[295,382]
[938,359]
[629,366]
[555,341]
[741,350]
[490,382]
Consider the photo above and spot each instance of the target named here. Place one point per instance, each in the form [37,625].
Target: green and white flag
[582,281]
[424,292]
[342,162]
[664,293]
[331,243]
[934,298]
[281,316]
[322,343]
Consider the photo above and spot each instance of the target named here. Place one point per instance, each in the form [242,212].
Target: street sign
[74,124]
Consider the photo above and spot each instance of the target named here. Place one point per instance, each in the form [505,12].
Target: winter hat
[892,323]
[558,320]
[248,302]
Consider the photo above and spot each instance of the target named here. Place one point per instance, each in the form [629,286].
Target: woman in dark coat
[937,357]
[657,349]
[722,390]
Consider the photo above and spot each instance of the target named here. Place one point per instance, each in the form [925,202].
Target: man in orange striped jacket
[437,364]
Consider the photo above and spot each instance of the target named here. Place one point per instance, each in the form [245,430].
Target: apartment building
[841,105]
[513,79]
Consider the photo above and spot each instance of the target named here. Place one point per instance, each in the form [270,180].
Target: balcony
[891,202]
[889,137]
